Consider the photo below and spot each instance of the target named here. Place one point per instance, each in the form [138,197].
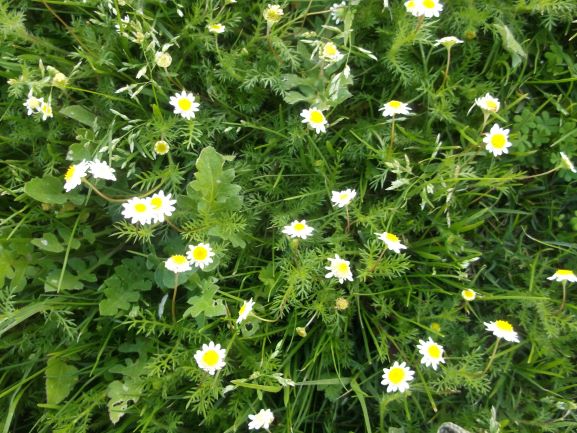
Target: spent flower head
[161,147]
[468,295]
[163,59]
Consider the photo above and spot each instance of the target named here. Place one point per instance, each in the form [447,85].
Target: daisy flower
[101,170]
[337,11]
[432,353]
[502,329]
[315,118]
[210,358]
[397,377]
[245,310]
[46,110]
[200,255]
[74,175]
[411,7]
[424,8]
[488,103]
[563,275]
[448,41]
[184,104]
[391,241]
[272,14]
[497,140]
[298,229]
[162,206]
[177,264]
[468,294]
[163,59]
[161,147]
[343,198]
[216,28]
[263,419]
[392,108]
[330,53]
[33,103]
[567,162]
[139,210]
[339,268]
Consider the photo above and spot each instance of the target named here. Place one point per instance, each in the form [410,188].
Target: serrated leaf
[79,113]
[120,394]
[60,379]
[206,304]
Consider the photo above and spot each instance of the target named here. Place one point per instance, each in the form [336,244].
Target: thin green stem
[174,299]
[492,358]
[564,284]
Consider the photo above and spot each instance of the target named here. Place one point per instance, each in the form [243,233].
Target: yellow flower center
[140,207]
[330,50]
[564,272]
[156,202]
[215,27]
[396,375]
[272,15]
[468,294]
[503,325]
[436,327]
[179,260]
[69,173]
[299,226]
[161,147]
[429,4]
[344,196]
[200,253]
[184,104]
[242,309]
[317,117]
[210,358]
[342,267]
[395,104]
[410,4]
[492,105]
[391,237]
[498,141]
[34,103]
[46,109]
[434,351]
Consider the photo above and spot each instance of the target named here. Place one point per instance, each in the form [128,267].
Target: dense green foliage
[83,345]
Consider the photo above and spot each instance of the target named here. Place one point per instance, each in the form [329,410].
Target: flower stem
[446,74]
[100,193]
[564,283]
[348,219]
[174,299]
[392,136]
[378,261]
[492,356]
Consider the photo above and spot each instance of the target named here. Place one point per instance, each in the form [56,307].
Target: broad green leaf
[60,379]
[69,282]
[48,189]
[206,304]
[511,45]
[79,113]
[48,242]
[120,394]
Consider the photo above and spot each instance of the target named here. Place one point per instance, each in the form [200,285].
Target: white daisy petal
[210,358]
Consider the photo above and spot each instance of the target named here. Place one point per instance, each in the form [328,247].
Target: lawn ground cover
[304,216]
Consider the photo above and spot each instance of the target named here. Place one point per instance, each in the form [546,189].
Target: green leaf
[48,189]
[511,45]
[206,303]
[48,242]
[120,394]
[80,114]
[60,379]
[69,282]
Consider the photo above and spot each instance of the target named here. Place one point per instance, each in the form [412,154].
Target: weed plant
[211,210]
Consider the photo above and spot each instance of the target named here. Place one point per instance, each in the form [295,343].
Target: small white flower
[432,353]
[468,294]
[74,175]
[216,28]
[392,108]
[163,59]
[184,104]
[425,8]
[340,269]
[330,53]
[200,255]
[338,11]
[272,14]
[502,329]
[448,41]
[101,170]
[161,147]
[497,140]
[343,198]
[139,210]
[46,110]
[397,377]
[162,206]
[298,229]
[315,118]
[177,264]
[488,103]
[210,358]
[563,275]
[245,310]
[567,162]
[33,103]
[391,241]
[263,419]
